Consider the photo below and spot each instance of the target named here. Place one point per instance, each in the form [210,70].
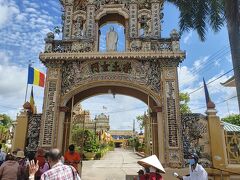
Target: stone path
[115,165]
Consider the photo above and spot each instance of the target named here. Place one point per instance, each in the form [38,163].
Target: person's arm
[33,168]
[45,168]
[77,161]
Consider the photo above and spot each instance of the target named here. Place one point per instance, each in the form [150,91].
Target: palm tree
[197,14]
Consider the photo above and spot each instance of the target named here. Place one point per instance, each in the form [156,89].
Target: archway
[79,95]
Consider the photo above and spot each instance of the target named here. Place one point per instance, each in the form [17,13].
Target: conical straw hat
[151,161]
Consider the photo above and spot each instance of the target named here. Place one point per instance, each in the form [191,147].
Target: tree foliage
[184,99]
[142,120]
[197,14]
[5,121]
[233,119]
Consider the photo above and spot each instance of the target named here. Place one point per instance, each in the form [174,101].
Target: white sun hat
[152,161]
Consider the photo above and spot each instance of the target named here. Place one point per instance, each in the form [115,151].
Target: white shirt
[198,173]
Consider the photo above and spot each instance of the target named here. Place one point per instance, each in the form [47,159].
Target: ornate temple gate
[147,70]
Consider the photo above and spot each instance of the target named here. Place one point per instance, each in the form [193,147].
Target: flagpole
[26,94]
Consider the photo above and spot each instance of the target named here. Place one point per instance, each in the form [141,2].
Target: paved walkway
[115,165]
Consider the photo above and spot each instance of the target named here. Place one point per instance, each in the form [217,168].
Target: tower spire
[209,103]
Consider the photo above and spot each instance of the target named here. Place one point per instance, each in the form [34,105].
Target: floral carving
[75,73]
[195,137]
[34,124]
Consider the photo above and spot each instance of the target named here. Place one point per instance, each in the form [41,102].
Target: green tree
[142,120]
[5,121]
[184,99]
[233,119]
[198,14]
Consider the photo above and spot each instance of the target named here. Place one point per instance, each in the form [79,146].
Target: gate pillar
[173,147]
[161,132]
[50,120]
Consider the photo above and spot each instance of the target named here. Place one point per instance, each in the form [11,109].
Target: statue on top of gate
[111,40]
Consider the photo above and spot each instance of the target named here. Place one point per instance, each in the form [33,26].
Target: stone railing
[143,44]
[136,45]
[63,46]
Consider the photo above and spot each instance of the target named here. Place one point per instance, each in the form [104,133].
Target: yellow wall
[221,169]
[20,132]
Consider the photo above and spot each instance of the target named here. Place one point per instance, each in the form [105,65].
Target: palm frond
[216,14]
[200,14]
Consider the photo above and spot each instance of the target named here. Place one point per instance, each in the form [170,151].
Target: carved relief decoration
[68,22]
[34,124]
[90,21]
[148,44]
[171,114]
[80,5]
[78,27]
[174,156]
[52,73]
[133,21]
[145,72]
[233,147]
[49,115]
[156,19]
[196,138]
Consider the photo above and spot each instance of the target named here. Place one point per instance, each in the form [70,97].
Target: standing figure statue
[111,40]
[78,28]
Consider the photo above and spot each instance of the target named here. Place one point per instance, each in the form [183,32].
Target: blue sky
[24,23]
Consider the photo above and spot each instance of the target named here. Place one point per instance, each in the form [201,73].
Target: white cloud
[218,94]
[186,77]
[199,63]
[8,9]
[121,109]
[187,38]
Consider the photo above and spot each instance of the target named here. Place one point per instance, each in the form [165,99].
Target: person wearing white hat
[155,167]
[197,172]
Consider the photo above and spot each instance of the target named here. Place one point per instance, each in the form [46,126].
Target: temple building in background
[83,119]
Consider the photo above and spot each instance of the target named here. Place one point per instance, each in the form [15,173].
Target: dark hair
[46,155]
[71,147]
[195,157]
[147,170]
[9,157]
[54,154]
[0,146]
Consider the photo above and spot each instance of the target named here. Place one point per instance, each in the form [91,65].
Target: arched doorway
[78,95]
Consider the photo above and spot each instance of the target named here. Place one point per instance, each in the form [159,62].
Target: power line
[212,57]
[200,69]
[8,107]
[211,81]
[215,103]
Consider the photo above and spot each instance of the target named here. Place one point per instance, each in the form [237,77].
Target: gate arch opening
[81,95]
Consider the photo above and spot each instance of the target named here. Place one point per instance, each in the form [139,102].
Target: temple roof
[231,127]
[230,82]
